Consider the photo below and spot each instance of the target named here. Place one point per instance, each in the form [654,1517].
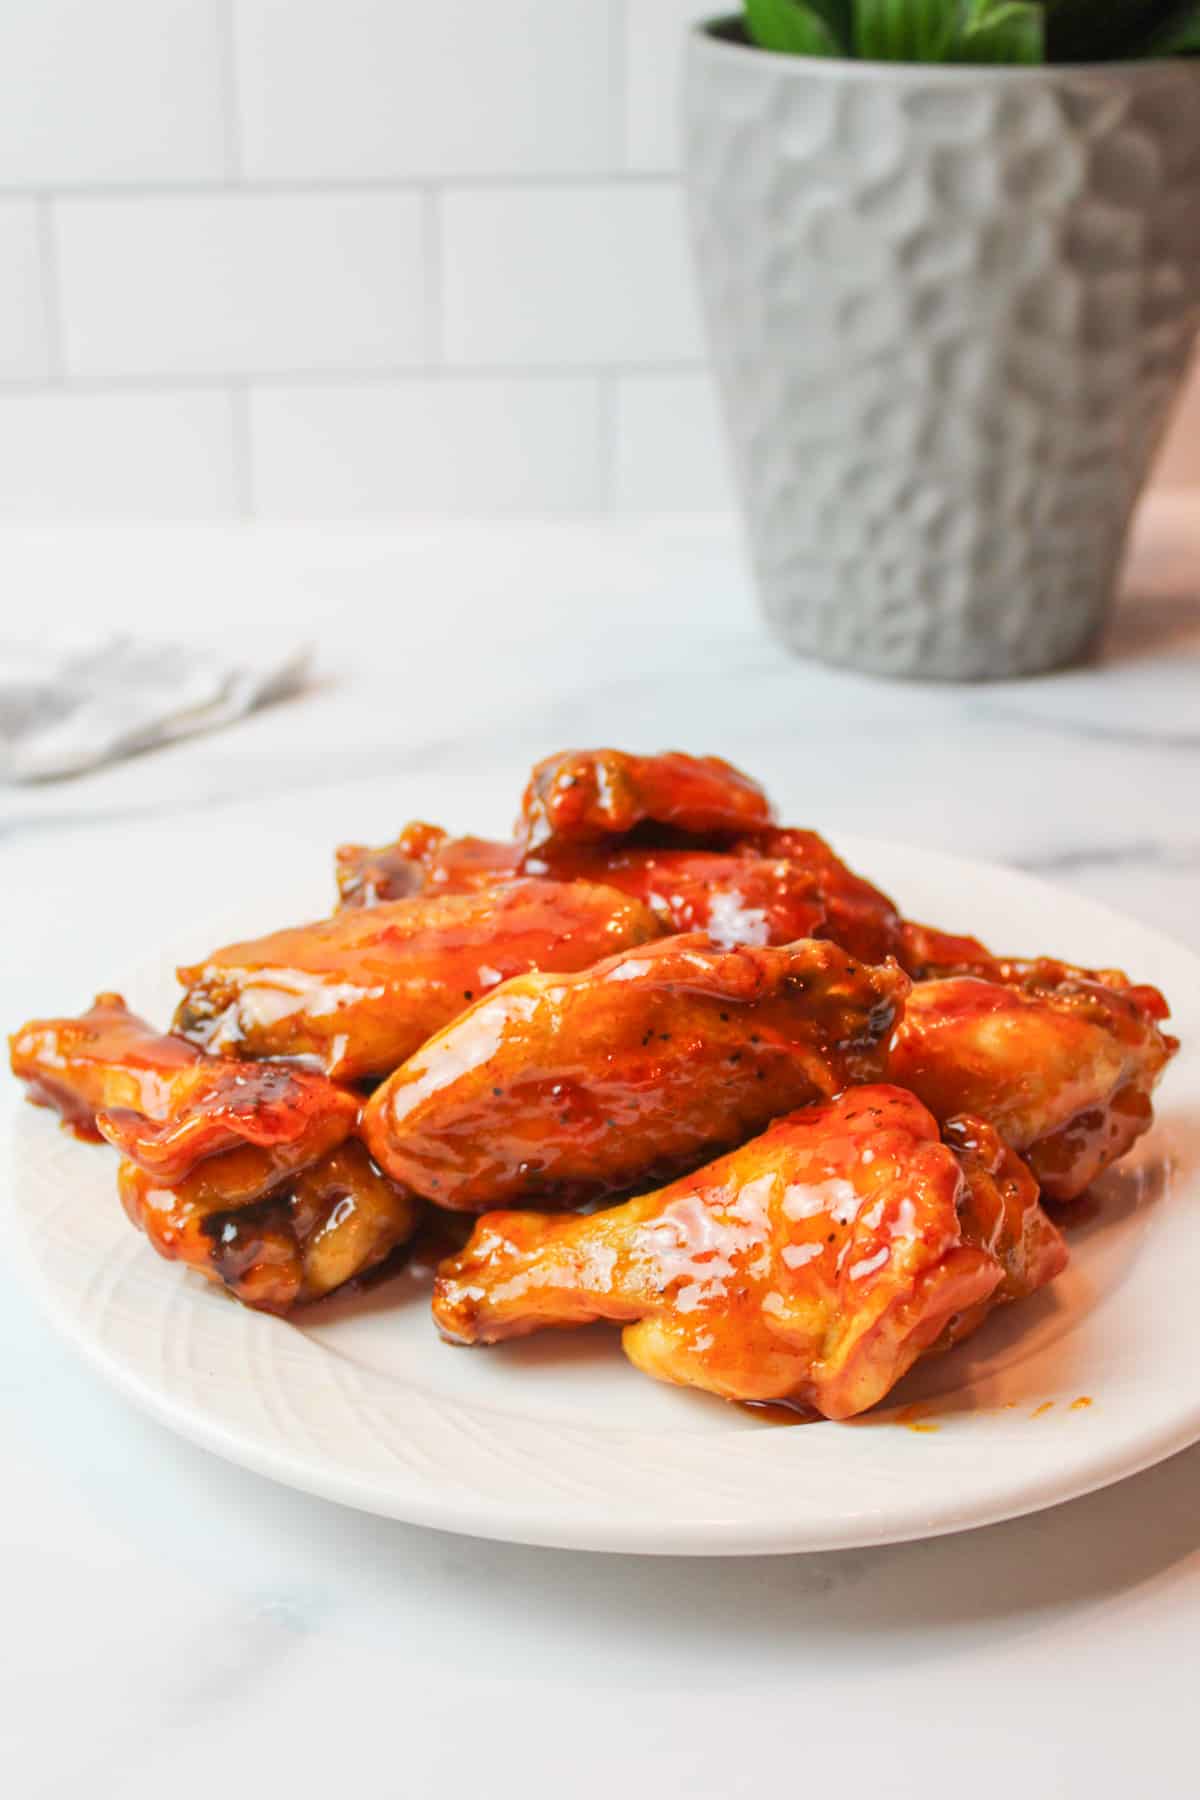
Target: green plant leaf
[799,27]
[1002,31]
[919,31]
[1180,38]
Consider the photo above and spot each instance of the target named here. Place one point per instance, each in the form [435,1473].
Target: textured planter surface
[950,310]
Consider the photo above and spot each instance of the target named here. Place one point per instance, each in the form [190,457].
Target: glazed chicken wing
[246,1171]
[927,954]
[423,859]
[359,992]
[691,837]
[292,1116]
[274,1243]
[583,796]
[107,1057]
[578,1085]
[813,1265]
[858,915]
[741,899]
[110,1074]
[1061,1062]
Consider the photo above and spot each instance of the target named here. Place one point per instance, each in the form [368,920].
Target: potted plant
[950,257]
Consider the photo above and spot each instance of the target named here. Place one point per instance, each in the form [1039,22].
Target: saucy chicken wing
[928,954]
[291,1115]
[858,915]
[109,1074]
[274,1243]
[423,859]
[691,837]
[735,899]
[246,1171]
[1063,1063]
[814,1265]
[739,896]
[107,1057]
[582,796]
[578,1085]
[743,899]
[359,992]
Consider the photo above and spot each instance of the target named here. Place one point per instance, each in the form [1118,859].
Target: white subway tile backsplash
[655,34]
[206,284]
[126,90]
[670,445]
[105,455]
[582,273]
[441,445]
[366,89]
[352,257]
[24,352]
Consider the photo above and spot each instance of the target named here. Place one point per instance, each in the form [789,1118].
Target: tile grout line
[167,382]
[52,308]
[107,191]
[433,246]
[241,448]
[608,425]
[618,84]
[231,107]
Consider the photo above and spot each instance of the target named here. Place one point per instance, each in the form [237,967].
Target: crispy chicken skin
[583,796]
[359,992]
[306,1235]
[574,1086]
[107,1057]
[1063,1063]
[813,1265]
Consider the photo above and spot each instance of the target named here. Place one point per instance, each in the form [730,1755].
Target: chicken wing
[306,1235]
[291,1115]
[579,1085]
[160,1100]
[689,836]
[927,954]
[735,899]
[423,859]
[858,915]
[583,796]
[1062,1062]
[743,899]
[813,1265]
[247,1171]
[104,1058]
[359,992]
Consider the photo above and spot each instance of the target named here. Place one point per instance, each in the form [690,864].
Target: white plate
[557,1440]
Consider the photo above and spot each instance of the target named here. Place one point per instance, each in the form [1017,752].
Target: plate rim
[554,1526]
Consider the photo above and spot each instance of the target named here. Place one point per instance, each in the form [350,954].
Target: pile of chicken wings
[693,1074]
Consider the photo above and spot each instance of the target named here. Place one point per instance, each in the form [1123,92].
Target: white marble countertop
[176,1627]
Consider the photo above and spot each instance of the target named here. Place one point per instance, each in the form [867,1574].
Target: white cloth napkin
[70,706]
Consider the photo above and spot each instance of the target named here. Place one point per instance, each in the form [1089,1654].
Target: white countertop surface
[174,1626]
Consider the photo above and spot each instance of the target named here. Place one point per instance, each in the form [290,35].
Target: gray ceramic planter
[950,310]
